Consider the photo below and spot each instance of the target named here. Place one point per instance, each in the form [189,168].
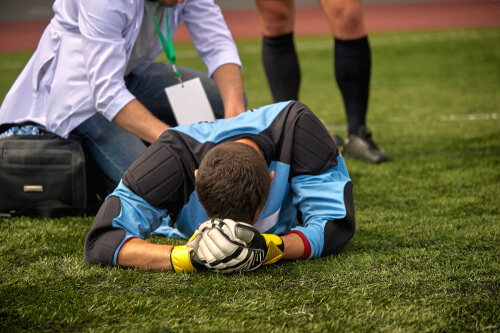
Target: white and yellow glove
[183,259]
[227,246]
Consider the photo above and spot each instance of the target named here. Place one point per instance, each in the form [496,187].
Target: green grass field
[426,253]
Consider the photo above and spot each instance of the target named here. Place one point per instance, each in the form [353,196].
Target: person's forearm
[230,85]
[136,119]
[294,246]
[142,254]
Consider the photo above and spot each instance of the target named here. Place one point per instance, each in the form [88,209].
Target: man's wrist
[234,110]
[296,244]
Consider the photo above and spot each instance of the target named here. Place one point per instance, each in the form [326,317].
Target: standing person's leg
[352,62]
[279,56]
[149,89]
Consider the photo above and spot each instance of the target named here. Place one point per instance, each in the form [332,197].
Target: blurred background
[23,21]
[41,9]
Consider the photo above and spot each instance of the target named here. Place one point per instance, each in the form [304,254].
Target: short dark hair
[233,182]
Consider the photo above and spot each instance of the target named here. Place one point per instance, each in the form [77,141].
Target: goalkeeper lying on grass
[271,183]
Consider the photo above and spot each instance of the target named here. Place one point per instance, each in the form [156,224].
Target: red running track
[19,36]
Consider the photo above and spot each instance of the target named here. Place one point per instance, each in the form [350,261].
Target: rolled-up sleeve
[104,25]
[210,34]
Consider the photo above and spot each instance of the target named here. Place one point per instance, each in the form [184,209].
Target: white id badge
[189,102]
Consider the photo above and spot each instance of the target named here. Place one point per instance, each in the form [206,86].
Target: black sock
[281,66]
[352,63]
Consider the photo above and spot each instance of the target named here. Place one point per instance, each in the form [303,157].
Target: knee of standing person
[346,19]
[277,17]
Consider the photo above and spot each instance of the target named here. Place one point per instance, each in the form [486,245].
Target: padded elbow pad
[314,150]
[339,232]
[103,240]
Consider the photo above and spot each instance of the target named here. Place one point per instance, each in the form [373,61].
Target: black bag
[45,175]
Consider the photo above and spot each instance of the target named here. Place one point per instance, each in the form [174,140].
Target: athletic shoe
[361,146]
[339,141]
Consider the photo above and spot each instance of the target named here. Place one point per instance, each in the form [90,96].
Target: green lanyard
[168,47]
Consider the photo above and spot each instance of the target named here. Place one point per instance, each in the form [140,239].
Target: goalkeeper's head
[233,181]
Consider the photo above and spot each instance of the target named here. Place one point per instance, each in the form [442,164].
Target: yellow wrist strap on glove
[181,259]
[275,249]
[193,237]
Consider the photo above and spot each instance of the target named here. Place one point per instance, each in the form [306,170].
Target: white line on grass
[327,44]
[451,117]
[335,126]
[375,40]
[440,36]
[386,40]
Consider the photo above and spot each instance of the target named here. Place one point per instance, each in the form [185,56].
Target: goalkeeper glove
[183,259]
[228,246]
[275,248]
[272,245]
[216,246]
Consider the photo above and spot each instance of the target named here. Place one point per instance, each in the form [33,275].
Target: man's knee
[345,18]
[277,17]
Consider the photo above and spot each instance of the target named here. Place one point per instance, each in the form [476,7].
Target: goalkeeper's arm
[292,243]
[142,254]
[139,253]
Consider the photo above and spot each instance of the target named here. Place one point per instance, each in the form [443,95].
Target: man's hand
[218,248]
[228,246]
[272,245]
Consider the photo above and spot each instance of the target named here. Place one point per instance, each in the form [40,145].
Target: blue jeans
[111,146]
